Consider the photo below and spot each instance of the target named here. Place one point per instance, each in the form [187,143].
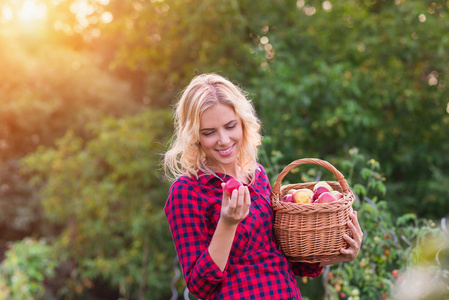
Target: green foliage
[40,101]
[163,44]
[389,245]
[325,76]
[20,208]
[427,273]
[392,248]
[107,194]
[27,265]
[369,74]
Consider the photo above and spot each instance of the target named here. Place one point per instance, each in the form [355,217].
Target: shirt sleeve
[185,212]
[306,269]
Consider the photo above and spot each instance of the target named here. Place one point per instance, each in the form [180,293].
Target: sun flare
[31,11]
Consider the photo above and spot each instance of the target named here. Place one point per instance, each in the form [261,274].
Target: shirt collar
[204,178]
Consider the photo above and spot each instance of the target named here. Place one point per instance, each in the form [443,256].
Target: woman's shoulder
[261,175]
[181,190]
[183,181]
[260,170]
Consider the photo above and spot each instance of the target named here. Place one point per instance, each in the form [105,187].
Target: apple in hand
[302,196]
[326,197]
[231,185]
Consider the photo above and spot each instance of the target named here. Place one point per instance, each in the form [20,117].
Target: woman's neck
[234,171]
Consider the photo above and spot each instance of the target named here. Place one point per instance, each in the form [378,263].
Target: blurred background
[87,89]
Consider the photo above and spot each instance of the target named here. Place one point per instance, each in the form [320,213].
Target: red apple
[303,196]
[337,195]
[291,192]
[326,197]
[288,198]
[231,185]
[319,190]
[322,183]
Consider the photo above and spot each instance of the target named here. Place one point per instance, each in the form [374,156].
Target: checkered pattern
[256,268]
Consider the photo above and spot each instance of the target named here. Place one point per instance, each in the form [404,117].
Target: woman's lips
[226,152]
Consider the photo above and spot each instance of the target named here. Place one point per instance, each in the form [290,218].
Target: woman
[225,243]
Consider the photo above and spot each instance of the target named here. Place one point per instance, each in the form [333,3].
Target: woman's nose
[223,139]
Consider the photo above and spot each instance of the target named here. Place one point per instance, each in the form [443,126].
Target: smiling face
[221,136]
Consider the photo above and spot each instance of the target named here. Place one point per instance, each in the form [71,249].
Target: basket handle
[341,179]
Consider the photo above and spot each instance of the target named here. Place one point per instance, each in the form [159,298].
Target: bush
[391,246]
[24,270]
[107,195]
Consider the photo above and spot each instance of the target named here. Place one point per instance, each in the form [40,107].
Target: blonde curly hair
[185,155]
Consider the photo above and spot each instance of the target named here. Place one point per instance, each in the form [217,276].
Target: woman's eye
[232,126]
[207,133]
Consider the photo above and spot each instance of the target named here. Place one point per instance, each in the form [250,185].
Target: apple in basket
[231,185]
[322,183]
[319,190]
[302,196]
[337,195]
[288,198]
[291,192]
[326,197]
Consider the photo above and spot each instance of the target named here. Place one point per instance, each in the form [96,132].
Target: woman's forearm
[221,243]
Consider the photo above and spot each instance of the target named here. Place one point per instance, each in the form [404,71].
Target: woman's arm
[203,261]
[234,209]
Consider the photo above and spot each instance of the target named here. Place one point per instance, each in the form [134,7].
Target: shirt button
[254,197]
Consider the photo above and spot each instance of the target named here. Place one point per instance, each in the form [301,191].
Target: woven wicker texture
[311,232]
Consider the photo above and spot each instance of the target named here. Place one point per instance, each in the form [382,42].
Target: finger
[247,197]
[354,225]
[233,201]
[350,241]
[241,197]
[345,251]
[356,235]
[355,220]
[226,197]
[351,250]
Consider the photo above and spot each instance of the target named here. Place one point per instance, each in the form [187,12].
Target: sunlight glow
[106,17]
[422,18]
[433,78]
[103,2]
[327,5]
[31,11]
[6,14]
[309,10]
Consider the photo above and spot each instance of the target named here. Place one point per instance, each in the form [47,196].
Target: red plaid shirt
[256,268]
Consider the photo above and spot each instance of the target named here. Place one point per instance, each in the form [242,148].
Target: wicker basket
[311,232]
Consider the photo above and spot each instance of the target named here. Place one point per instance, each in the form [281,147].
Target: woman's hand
[235,207]
[355,242]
